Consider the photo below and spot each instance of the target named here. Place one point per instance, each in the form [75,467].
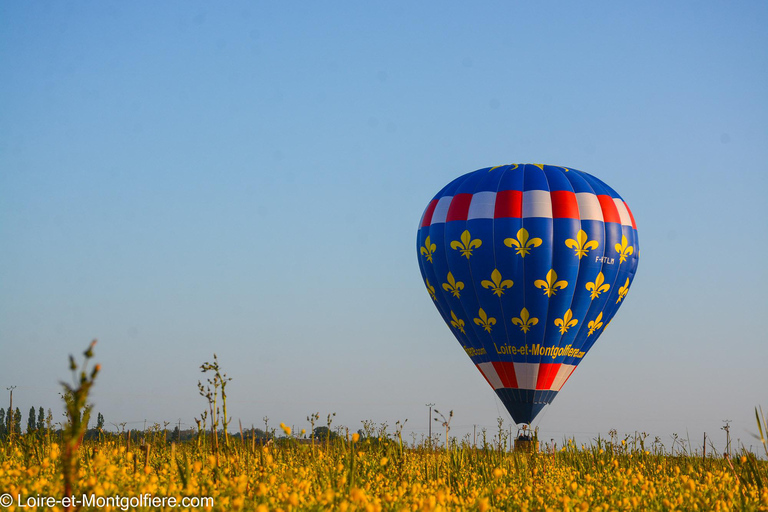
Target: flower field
[74,468]
[379,474]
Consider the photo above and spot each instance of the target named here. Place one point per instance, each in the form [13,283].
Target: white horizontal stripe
[626,220]
[441,209]
[526,374]
[537,203]
[490,373]
[563,373]
[589,206]
[482,206]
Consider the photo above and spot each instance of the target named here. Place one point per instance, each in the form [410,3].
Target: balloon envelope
[527,264]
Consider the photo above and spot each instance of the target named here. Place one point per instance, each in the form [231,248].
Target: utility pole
[727,429]
[10,412]
[430,422]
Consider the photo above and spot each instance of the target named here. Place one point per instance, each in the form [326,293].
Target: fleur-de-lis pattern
[595,324]
[566,322]
[485,321]
[453,286]
[525,321]
[522,243]
[582,245]
[497,284]
[527,264]
[623,291]
[551,285]
[597,287]
[457,322]
[623,249]
[428,249]
[431,290]
[466,244]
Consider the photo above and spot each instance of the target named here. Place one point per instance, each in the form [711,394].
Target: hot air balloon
[527,264]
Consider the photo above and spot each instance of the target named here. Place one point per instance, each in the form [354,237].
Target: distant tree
[40,419]
[258,434]
[3,428]
[325,434]
[17,421]
[31,423]
[100,422]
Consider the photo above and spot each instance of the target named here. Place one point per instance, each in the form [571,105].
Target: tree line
[37,421]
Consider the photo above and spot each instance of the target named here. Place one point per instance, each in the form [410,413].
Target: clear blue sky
[180,179]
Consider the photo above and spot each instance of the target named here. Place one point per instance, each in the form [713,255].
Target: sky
[180,179]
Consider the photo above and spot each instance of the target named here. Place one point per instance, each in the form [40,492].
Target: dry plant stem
[219,380]
[762,427]
[225,419]
[78,413]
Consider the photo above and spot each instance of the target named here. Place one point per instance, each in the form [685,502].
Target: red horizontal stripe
[509,203]
[506,372]
[547,374]
[610,212]
[459,207]
[427,219]
[564,205]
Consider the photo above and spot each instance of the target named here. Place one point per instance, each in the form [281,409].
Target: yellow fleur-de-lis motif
[525,321]
[523,244]
[623,249]
[496,283]
[597,287]
[551,285]
[428,249]
[453,286]
[431,290]
[566,322]
[595,324]
[457,322]
[623,291]
[466,244]
[485,320]
[582,245]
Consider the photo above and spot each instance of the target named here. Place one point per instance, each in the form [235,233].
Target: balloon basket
[527,441]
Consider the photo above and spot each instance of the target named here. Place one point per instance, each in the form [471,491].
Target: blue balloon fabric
[527,264]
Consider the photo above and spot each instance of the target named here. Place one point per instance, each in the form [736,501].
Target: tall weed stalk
[78,414]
